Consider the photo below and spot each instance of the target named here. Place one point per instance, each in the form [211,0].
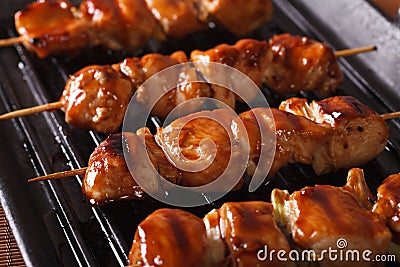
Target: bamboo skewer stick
[59,175]
[82,171]
[389,116]
[11,41]
[32,110]
[354,51]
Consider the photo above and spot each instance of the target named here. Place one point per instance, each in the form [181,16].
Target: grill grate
[52,220]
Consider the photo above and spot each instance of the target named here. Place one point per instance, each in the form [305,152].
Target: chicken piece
[301,64]
[158,158]
[157,97]
[177,18]
[360,134]
[96,98]
[108,178]
[246,228]
[387,206]
[201,147]
[141,69]
[52,28]
[170,238]
[240,17]
[118,24]
[325,217]
[249,56]
[219,254]
[297,139]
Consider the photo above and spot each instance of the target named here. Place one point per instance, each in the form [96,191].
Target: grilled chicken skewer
[325,216]
[349,130]
[387,205]
[246,233]
[229,236]
[129,24]
[96,97]
[298,139]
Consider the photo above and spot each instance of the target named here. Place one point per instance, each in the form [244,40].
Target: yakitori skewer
[316,219]
[275,63]
[314,139]
[59,28]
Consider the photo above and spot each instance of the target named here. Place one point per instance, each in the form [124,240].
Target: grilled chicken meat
[129,24]
[249,56]
[297,139]
[170,238]
[96,98]
[358,130]
[325,216]
[107,177]
[238,231]
[194,150]
[229,236]
[323,224]
[300,63]
[286,64]
[118,24]
[239,16]
[140,70]
[177,18]
[202,145]
[58,34]
[387,205]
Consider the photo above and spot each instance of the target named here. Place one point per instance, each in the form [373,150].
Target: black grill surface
[52,222]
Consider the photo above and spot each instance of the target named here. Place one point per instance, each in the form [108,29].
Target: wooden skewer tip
[355,51]
[11,41]
[32,110]
[389,116]
[60,175]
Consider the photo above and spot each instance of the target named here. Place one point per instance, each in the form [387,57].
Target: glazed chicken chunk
[96,98]
[60,34]
[238,231]
[249,56]
[300,63]
[286,63]
[387,205]
[297,139]
[177,18]
[238,16]
[202,146]
[358,130]
[170,238]
[163,98]
[324,216]
[118,24]
[129,24]
[107,177]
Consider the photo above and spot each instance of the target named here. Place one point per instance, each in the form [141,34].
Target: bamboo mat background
[9,251]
